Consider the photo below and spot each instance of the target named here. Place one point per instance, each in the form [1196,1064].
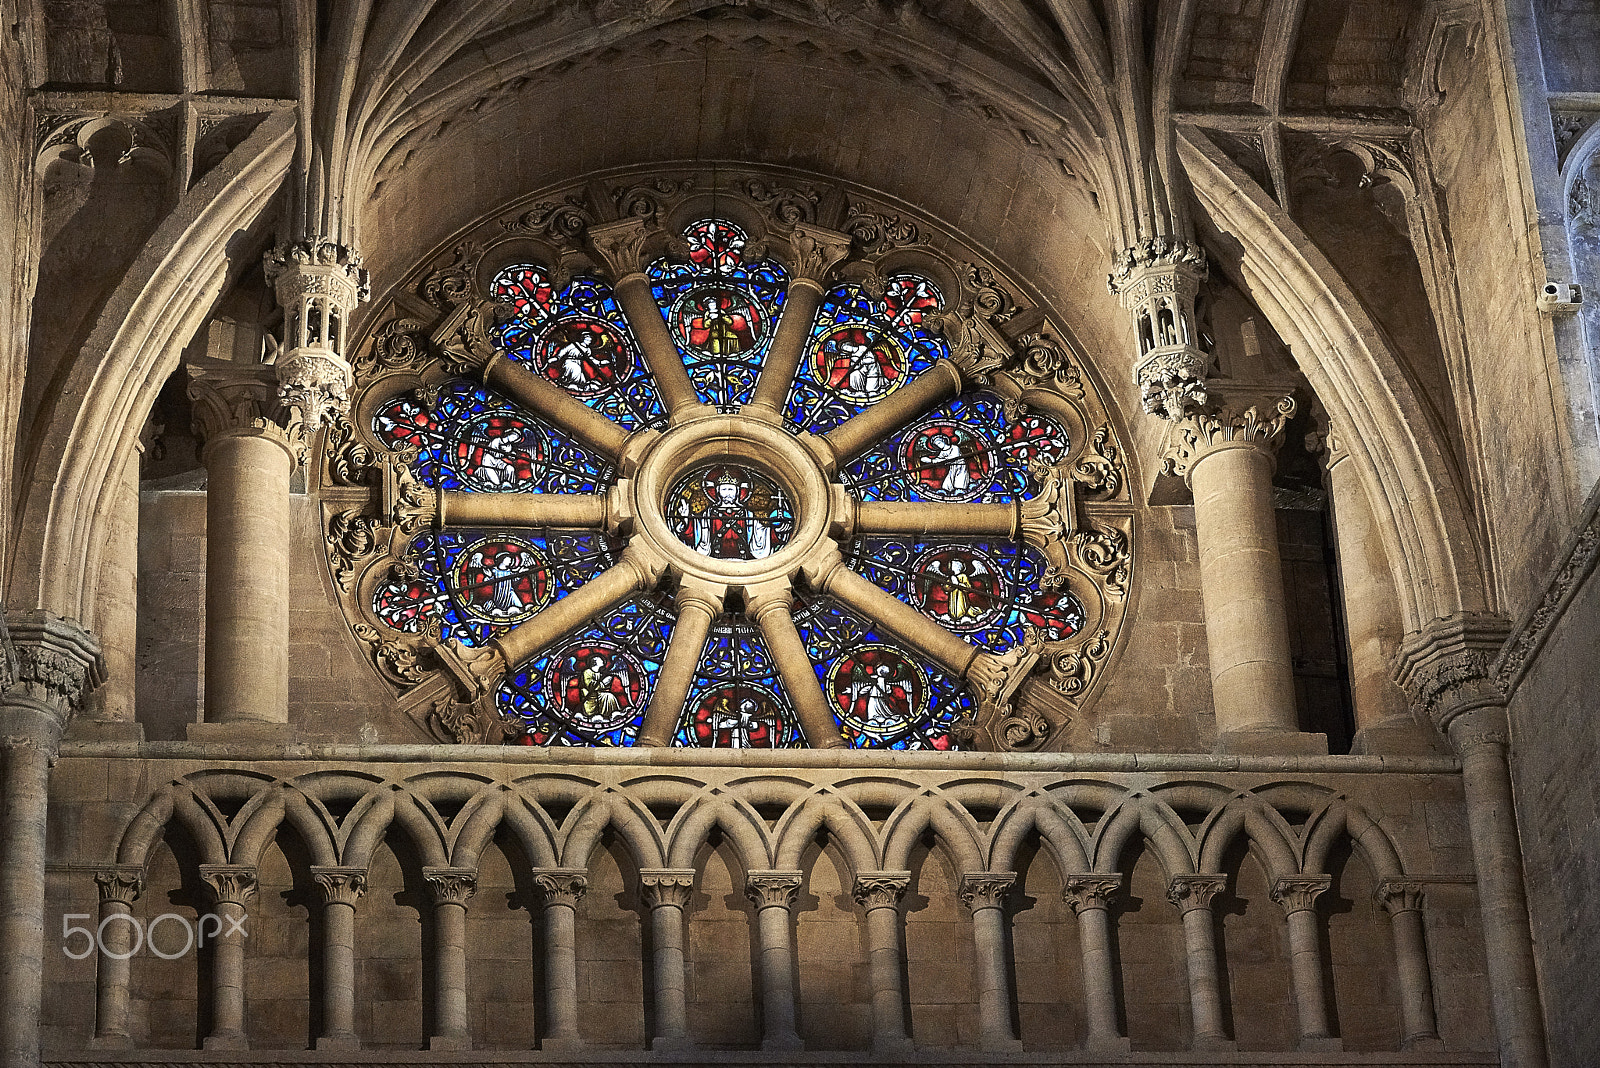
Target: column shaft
[552,402]
[1305,970]
[1420,1025]
[450,982]
[561,975]
[696,610]
[338,975]
[786,351]
[678,394]
[247,577]
[773,893]
[928,390]
[227,980]
[594,598]
[672,1014]
[1099,979]
[117,603]
[586,511]
[1241,584]
[994,987]
[900,619]
[937,520]
[1205,993]
[22,844]
[883,958]
[772,613]
[115,968]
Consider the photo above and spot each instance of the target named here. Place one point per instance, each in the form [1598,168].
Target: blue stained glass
[969,450]
[580,340]
[883,695]
[469,438]
[720,310]
[862,349]
[987,592]
[594,687]
[737,700]
[476,584]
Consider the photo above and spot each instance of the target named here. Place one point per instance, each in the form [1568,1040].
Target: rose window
[691,508]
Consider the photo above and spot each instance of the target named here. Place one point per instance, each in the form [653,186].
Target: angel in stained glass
[880,698]
[722,327]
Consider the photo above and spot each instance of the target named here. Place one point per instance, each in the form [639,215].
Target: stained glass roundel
[716,501]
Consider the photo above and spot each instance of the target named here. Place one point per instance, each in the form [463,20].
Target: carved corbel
[1049,519]
[475,722]
[994,679]
[815,251]
[620,245]
[477,670]
[977,348]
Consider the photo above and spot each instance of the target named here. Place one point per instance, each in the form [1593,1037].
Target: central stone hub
[732,499]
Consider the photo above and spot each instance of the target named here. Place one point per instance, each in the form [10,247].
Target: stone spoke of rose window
[698,603]
[552,511]
[637,570]
[771,605]
[938,384]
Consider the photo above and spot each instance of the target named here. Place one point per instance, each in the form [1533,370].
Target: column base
[783,1043]
[1401,736]
[244,730]
[111,1042]
[1000,1044]
[226,1040]
[761,414]
[104,730]
[1109,1043]
[672,1043]
[1271,743]
[449,1042]
[1321,1044]
[343,1043]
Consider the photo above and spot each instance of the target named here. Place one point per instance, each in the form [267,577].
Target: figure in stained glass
[730,512]
[501,580]
[860,363]
[959,587]
[585,356]
[496,451]
[718,321]
[600,686]
[948,460]
[876,690]
[740,716]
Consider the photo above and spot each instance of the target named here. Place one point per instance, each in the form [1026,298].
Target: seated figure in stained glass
[729,512]
[741,716]
[958,586]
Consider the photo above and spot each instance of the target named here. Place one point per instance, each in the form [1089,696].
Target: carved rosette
[773,889]
[1199,435]
[1091,891]
[451,886]
[880,889]
[123,883]
[339,886]
[1299,893]
[319,283]
[53,664]
[664,887]
[562,886]
[1190,892]
[229,884]
[1156,282]
[986,890]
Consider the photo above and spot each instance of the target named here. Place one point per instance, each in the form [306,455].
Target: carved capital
[994,679]
[339,886]
[229,884]
[1161,256]
[986,890]
[235,399]
[1447,667]
[314,385]
[477,670]
[1091,891]
[1399,895]
[761,599]
[53,665]
[1198,436]
[880,889]
[1297,893]
[815,251]
[1190,892]
[1172,382]
[772,889]
[662,887]
[464,337]
[124,883]
[317,266]
[1048,519]
[621,245]
[562,886]
[451,886]
[977,348]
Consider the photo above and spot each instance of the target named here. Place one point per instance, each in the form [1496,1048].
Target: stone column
[879,893]
[562,888]
[928,390]
[119,888]
[699,603]
[1447,670]
[47,667]
[110,710]
[770,604]
[984,893]
[231,887]
[814,252]
[1384,723]
[1228,460]
[1298,896]
[666,891]
[1191,895]
[621,245]
[340,889]
[1402,900]
[773,893]
[249,460]
[451,888]
[1090,897]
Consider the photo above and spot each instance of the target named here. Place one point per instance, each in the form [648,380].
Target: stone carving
[1104,551]
[1041,360]
[8,657]
[646,200]
[773,889]
[816,251]
[1162,250]
[986,890]
[464,339]
[398,346]
[1199,434]
[880,889]
[1172,384]
[470,722]
[561,886]
[788,205]
[1156,282]
[351,461]
[229,884]
[1100,470]
[875,232]
[395,660]
[351,538]
[319,283]
[449,286]
[1091,891]
[664,887]
[1049,519]
[121,138]
[995,678]
[987,298]
[1190,892]
[1447,668]
[1581,557]
[55,665]
[451,886]
[564,221]
[1073,669]
[1298,893]
[340,886]
[1569,126]
[124,883]
[620,245]
[977,352]
[1399,895]
[230,398]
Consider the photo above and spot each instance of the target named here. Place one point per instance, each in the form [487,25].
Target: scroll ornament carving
[351,539]
[815,251]
[562,886]
[394,659]
[874,232]
[1190,892]
[773,889]
[664,887]
[564,222]
[1299,893]
[465,338]
[1093,891]
[1041,360]
[995,679]
[229,884]
[1073,669]
[123,884]
[1104,552]
[340,886]
[476,722]
[787,204]
[398,346]
[1100,470]
[452,285]
[451,886]
[986,890]
[987,298]
[646,200]
[1198,435]
[880,889]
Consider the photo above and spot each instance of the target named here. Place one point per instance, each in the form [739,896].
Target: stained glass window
[721,305]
